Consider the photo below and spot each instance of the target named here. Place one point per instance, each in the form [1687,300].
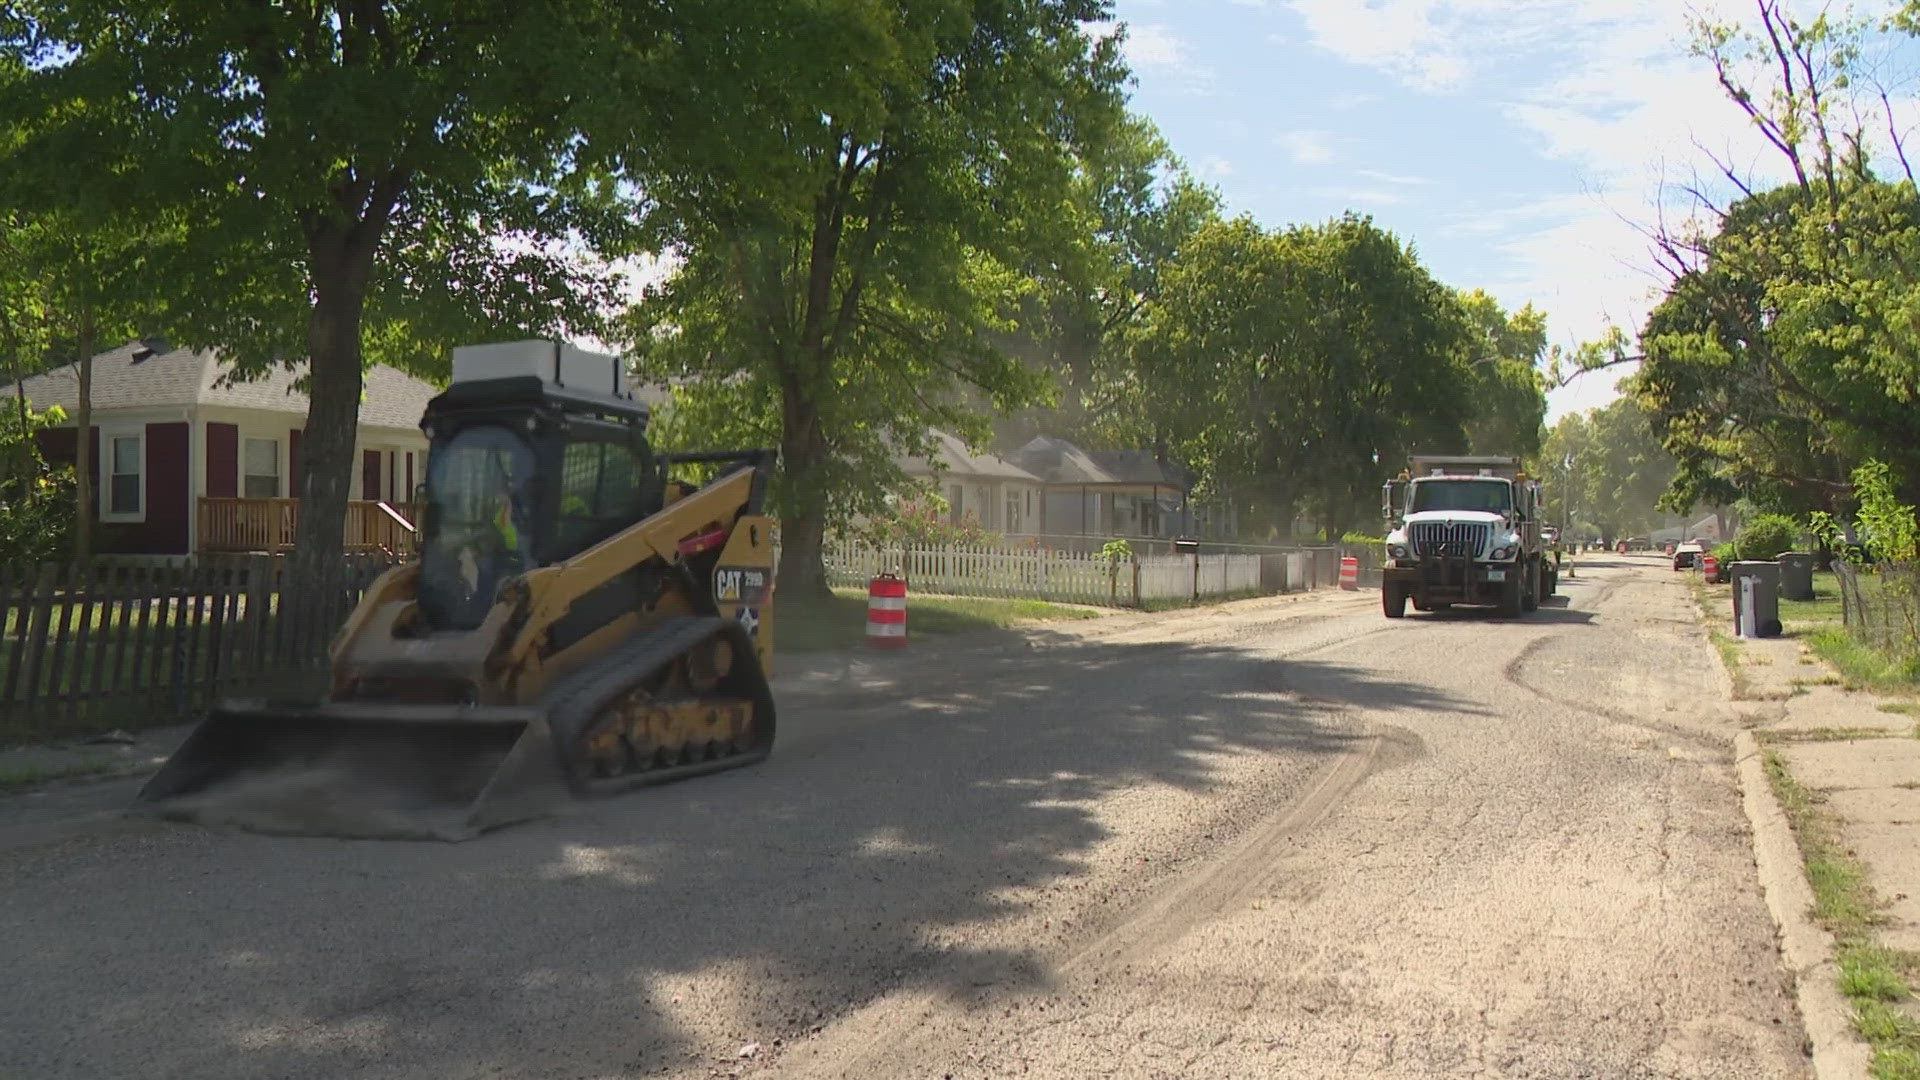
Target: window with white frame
[126,474]
[1013,513]
[260,469]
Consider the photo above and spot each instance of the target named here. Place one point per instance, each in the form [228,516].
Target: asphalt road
[1277,838]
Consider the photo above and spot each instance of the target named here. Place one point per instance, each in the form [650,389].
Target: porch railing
[229,525]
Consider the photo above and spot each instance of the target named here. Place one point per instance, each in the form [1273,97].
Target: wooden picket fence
[1041,574]
[107,644]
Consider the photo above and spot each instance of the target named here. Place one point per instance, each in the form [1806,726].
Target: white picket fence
[1041,574]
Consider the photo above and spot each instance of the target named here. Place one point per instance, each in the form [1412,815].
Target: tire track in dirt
[902,1026]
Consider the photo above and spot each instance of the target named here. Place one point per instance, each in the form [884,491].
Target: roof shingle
[184,377]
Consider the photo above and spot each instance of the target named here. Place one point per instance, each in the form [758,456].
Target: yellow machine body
[641,659]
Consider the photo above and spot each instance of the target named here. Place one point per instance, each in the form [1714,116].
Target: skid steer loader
[576,621]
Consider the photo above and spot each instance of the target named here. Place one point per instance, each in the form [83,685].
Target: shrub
[925,523]
[1765,536]
[36,498]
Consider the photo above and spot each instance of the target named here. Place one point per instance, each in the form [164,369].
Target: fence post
[38,626]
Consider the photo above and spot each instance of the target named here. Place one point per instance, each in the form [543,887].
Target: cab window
[603,488]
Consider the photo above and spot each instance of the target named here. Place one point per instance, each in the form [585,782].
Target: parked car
[1687,555]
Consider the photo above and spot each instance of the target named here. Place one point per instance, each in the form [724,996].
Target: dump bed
[1507,468]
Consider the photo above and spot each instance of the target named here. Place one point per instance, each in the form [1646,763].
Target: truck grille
[1459,541]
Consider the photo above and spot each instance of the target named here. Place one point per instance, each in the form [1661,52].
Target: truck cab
[1464,530]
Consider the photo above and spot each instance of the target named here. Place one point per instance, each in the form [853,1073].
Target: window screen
[601,490]
[260,469]
[124,496]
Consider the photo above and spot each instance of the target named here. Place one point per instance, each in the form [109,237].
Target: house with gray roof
[1106,492]
[1000,495]
[187,459]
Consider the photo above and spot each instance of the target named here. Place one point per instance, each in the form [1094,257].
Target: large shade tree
[837,298]
[1299,368]
[355,179]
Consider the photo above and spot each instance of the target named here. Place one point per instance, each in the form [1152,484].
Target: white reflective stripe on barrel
[886,603]
[876,629]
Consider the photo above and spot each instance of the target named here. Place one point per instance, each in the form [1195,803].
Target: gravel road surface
[1281,837]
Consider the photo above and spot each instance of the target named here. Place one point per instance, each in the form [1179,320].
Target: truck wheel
[1393,602]
[1530,585]
[1510,596]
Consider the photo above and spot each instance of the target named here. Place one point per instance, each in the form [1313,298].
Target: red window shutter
[223,460]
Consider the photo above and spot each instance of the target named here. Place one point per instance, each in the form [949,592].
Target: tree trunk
[326,445]
[802,572]
[83,445]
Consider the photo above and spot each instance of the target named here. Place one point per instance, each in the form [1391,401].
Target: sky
[1521,146]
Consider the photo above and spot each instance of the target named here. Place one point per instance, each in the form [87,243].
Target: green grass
[1863,667]
[1823,610]
[1876,980]
[841,622]
[1825,734]
[1734,658]
[17,777]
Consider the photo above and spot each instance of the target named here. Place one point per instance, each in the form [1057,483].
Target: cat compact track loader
[576,621]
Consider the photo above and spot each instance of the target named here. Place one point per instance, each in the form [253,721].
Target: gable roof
[1138,467]
[184,378]
[951,453]
[1058,461]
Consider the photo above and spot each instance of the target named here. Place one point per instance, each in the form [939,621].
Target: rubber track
[582,696]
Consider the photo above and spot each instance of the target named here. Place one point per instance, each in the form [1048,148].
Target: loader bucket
[360,771]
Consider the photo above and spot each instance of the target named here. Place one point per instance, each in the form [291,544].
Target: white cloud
[1306,147]
[1400,179]
[1215,168]
[1608,95]
[1352,99]
[1153,47]
[1359,196]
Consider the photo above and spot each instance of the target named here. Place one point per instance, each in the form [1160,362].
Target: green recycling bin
[1796,575]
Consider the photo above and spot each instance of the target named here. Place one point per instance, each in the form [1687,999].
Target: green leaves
[1297,367]
[1607,468]
[854,281]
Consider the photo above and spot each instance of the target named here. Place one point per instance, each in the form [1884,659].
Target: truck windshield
[1491,496]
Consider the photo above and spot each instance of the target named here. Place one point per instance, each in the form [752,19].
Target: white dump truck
[1464,530]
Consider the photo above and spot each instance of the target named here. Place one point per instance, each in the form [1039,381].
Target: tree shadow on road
[883,828]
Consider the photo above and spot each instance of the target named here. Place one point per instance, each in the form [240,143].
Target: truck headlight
[1397,551]
[1501,553]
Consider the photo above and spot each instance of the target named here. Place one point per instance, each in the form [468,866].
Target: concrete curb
[1808,951]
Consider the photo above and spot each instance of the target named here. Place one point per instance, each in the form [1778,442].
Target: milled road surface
[1282,838]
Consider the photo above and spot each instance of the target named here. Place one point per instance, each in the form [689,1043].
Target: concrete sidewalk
[1845,764]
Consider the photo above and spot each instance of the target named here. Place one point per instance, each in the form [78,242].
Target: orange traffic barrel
[887,612]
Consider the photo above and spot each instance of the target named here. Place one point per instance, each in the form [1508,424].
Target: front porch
[240,525]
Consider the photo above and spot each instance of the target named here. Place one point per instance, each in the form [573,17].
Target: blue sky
[1520,145]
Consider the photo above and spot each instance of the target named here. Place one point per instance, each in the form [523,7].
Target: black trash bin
[1756,599]
[1796,575]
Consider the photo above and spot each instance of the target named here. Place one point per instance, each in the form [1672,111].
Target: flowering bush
[925,522]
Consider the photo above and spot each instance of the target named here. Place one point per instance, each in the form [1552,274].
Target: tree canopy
[1297,368]
[1787,350]
[838,298]
[350,179]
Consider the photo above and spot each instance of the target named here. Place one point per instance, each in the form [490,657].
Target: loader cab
[524,472]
